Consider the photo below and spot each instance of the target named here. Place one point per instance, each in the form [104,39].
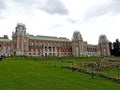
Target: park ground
[23,73]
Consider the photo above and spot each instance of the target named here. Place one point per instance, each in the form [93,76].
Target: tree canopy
[115,48]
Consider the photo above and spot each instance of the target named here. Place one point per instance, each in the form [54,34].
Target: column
[52,50]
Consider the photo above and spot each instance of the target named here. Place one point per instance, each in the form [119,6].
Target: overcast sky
[61,18]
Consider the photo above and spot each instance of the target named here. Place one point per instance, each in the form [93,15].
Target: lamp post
[0,49]
[92,70]
[118,72]
[0,53]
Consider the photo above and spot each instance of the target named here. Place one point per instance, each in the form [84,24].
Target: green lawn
[27,74]
[111,72]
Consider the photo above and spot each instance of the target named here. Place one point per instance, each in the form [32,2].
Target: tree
[111,48]
[116,48]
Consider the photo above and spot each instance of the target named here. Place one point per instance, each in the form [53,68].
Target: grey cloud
[111,7]
[27,3]
[2,8]
[54,7]
[2,5]
[49,6]
[23,1]
[53,26]
[72,20]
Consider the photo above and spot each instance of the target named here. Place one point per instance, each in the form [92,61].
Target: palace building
[23,44]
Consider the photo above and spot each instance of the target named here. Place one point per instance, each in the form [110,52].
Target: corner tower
[20,40]
[104,45]
[77,44]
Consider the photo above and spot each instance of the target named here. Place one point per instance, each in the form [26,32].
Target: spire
[77,36]
[20,29]
[103,38]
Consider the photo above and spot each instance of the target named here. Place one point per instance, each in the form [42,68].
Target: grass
[27,74]
[111,72]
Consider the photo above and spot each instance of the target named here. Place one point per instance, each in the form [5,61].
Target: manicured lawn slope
[32,75]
